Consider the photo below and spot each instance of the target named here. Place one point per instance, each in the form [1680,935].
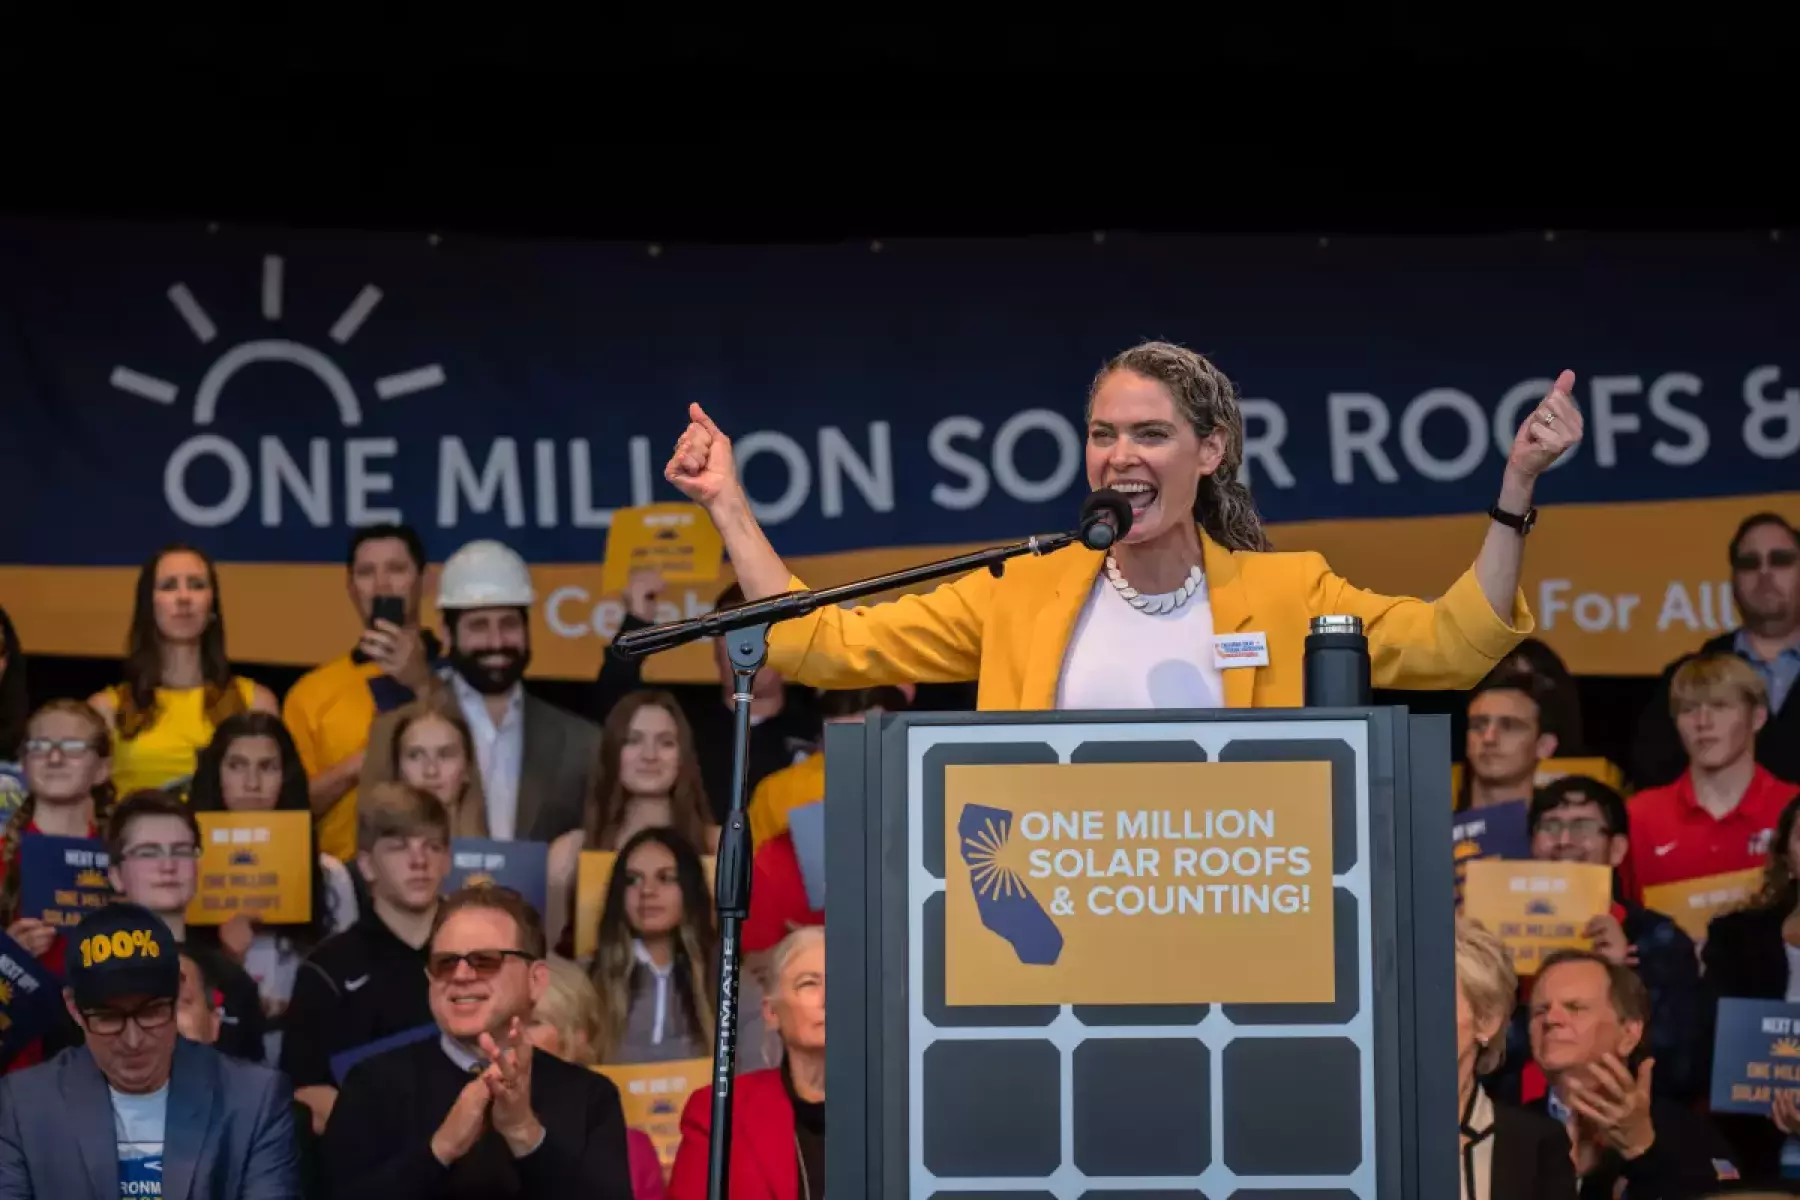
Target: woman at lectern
[1190,610]
[1506,1153]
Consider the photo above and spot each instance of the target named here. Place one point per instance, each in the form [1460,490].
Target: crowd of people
[425,1038]
[1608,1049]
[419,1035]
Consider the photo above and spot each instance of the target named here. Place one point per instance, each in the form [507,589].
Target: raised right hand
[643,589]
[702,467]
[463,1124]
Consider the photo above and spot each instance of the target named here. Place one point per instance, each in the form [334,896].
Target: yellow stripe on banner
[1617,589]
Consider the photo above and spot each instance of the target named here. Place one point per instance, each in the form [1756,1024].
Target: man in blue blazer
[138,1110]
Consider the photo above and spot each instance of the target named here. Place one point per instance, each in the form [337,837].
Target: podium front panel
[1092,965]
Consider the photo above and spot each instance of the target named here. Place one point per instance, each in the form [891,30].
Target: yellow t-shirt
[167,751]
[781,793]
[329,712]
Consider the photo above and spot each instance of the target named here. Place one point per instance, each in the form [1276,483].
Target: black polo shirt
[356,987]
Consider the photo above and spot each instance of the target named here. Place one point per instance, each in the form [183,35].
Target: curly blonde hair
[1207,399]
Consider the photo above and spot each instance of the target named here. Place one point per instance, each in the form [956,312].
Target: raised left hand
[1616,1106]
[1551,430]
[508,1077]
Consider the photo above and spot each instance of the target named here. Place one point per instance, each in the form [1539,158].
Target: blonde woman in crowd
[178,679]
[67,757]
[1507,1153]
[566,1023]
[252,765]
[434,751]
[778,1115]
[649,776]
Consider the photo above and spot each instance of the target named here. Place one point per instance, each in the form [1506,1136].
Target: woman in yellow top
[178,681]
[1190,610]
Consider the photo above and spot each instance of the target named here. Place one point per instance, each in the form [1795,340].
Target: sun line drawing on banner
[282,350]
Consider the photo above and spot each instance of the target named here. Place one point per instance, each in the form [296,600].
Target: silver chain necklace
[1168,602]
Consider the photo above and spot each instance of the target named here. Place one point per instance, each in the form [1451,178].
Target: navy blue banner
[269,389]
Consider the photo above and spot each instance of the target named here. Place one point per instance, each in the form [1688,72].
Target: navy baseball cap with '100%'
[122,950]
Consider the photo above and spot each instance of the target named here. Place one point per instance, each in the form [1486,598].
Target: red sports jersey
[1674,839]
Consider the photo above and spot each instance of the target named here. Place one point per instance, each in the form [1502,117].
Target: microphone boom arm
[788,605]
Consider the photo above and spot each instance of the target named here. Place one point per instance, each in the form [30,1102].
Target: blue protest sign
[1756,1052]
[1497,831]
[30,998]
[62,879]
[806,825]
[521,866]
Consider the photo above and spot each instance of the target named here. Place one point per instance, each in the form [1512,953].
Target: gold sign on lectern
[1139,883]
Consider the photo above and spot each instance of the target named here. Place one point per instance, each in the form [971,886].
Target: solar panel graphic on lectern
[1125,1101]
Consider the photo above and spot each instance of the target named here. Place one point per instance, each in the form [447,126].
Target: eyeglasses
[109,1021]
[1775,558]
[1580,827]
[71,747]
[154,851]
[485,963]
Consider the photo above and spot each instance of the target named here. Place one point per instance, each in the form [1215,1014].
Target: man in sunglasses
[477,1111]
[1765,587]
[138,1110]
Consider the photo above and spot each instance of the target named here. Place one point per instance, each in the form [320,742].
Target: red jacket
[765,1164]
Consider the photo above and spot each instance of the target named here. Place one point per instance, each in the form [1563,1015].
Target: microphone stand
[746,632]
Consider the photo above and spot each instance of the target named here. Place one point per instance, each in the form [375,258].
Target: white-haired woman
[1508,1153]
[778,1115]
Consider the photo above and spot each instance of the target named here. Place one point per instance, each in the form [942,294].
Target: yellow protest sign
[593,872]
[1693,903]
[1064,880]
[653,1095]
[255,863]
[676,539]
[1536,908]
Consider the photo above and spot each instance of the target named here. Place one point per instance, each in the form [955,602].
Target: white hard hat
[485,575]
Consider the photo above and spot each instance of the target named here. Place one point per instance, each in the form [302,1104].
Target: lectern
[1141,956]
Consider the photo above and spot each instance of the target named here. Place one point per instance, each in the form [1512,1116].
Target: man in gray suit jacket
[534,764]
[138,1110]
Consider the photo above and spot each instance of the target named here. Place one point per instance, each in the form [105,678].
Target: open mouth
[1137,493]
[467,1003]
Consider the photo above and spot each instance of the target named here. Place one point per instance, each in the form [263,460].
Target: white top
[138,1131]
[1122,657]
[500,752]
[664,976]
[1478,1154]
[273,959]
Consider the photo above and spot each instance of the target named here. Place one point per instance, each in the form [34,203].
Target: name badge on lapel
[1240,650]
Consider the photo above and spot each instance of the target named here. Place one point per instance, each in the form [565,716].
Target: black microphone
[1105,519]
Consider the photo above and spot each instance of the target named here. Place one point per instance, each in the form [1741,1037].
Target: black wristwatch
[1522,523]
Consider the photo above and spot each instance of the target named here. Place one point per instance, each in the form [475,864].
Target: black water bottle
[1337,663]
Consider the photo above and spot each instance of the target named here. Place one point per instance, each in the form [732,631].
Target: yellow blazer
[1011,634]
